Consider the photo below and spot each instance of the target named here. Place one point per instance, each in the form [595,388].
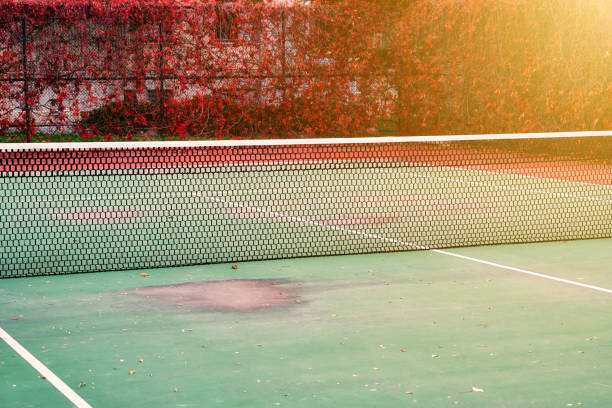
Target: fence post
[162,96]
[26,86]
[283,51]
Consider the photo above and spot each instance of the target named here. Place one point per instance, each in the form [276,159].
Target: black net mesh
[79,209]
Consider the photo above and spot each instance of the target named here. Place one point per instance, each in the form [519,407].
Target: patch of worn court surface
[238,295]
[415,329]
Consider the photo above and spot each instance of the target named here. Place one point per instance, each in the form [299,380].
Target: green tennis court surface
[511,325]
[403,329]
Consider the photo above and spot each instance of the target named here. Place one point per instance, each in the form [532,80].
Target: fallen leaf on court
[132,372]
[476,389]
[435,356]
[144,274]
[409,392]
[141,360]
[580,352]
[81,384]
[15,318]
[42,377]
[403,350]
[234,266]
[175,389]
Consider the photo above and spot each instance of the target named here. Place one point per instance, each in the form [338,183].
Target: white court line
[306,221]
[409,245]
[530,190]
[433,176]
[494,173]
[80,403]
[564,184]
[283,216]
[44,371]
[315,189]
[521,188]
[510,268]
[526,176]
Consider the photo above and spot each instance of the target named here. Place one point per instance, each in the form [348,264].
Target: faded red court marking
[580,172]
[238,295]
[360,219]
[99,215]
[413,206]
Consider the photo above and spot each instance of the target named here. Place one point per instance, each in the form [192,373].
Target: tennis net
[69,208]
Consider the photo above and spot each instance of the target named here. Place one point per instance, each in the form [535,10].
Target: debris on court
[132,372]
[476,389]
[234,266]
[144,274]
[81,384]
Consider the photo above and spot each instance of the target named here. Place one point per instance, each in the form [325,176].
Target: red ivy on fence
[245,68]
[187,69]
